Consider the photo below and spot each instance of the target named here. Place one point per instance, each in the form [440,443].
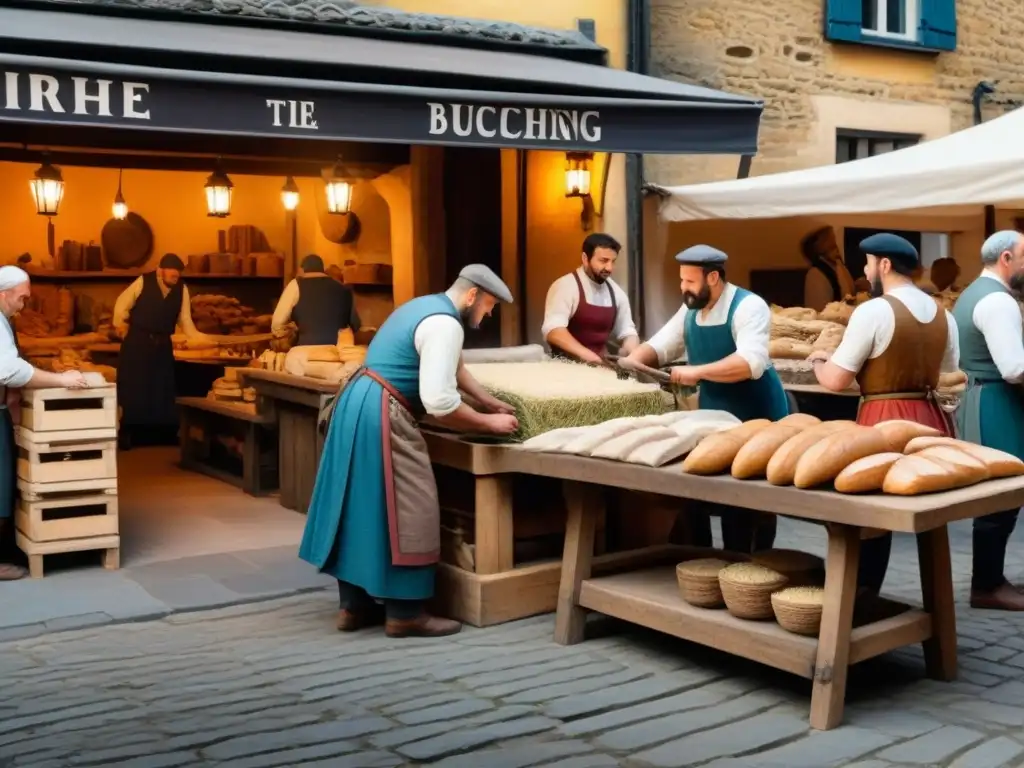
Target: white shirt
[873,323]
[290,297]
[438,341]
[14,371]
[564,299]
[751,330]
[818,290]
[125,302]
[998,318]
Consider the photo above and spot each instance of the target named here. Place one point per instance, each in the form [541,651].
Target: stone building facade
[816,89]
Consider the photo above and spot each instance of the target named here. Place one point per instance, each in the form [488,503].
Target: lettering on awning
[85,96]
[515,123]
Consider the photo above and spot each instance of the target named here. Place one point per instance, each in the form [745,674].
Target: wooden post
[937,596]
[583,506]
[493,515]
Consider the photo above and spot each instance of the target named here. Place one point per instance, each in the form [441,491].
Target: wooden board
[66,461]
[72,517]
[50,410]
[37,550]
[32,491]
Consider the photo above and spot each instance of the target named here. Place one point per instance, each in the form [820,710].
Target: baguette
[973,470]
[782,466]
[800,420]
[866,474]
[752,459]
[920,443]
[915,474]
[715,453]
[824,460]
[899,432]
[788,349]
[999,463]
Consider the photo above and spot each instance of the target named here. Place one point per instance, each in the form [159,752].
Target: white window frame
[913,15]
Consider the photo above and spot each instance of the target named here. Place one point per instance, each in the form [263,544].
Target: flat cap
[701,254]
[483,277]
[312,263]
[886,245]
[171,261]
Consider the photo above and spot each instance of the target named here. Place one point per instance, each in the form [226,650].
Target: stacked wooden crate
[67,474]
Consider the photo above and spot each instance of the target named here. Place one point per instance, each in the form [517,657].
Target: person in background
[374,520]
[586,309]
[896,344]
[991,411]
[724,332]
[828,279]
[319,305]
[145,317]
[16,373]
[943,275]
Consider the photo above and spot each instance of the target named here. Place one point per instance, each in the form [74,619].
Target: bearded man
[724,332]
[374,520]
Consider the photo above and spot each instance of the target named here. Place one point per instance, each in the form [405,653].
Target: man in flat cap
[724,332]
[145,316]
[374,520]
[895,346]
[992,409]
[586,309]
[319,305]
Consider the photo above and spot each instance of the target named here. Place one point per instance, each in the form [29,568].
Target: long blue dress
[347,533]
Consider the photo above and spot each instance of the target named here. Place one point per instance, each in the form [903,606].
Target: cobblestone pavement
[267,685]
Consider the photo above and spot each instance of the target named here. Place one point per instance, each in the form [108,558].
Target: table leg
[829,692]
[583,507]
[251,460]
[184,426]
[493,515]
[937,595]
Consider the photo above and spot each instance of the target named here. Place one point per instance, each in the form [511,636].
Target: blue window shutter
[843,20]
[938,24]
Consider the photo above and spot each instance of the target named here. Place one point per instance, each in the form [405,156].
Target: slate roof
[340,14]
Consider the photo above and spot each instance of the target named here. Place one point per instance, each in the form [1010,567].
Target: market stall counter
[650,596]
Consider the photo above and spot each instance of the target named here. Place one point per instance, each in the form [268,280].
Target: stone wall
[774,49]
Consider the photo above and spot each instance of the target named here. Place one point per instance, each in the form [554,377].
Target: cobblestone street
[273,684]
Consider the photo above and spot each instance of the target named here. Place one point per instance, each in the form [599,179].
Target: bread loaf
[788,349]
[824,460]
[715,453]
[660,452]
[899,432]
[800,420]
[973,470]
[752,459]
[782,466]
[795,313]
[920,443]
[867,474]
[999,463]
[619,448]
[915,474]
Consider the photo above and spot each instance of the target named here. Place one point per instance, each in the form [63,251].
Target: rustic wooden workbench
[650,597]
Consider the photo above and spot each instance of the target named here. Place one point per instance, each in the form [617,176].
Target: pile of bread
[229,387]
[216,314]
[798,331]
[897,457]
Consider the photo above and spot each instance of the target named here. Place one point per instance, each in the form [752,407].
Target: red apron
[592,325]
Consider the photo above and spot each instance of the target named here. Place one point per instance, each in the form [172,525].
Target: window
[928,25]
[856,145]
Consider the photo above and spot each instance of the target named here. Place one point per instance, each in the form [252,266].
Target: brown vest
[912,361]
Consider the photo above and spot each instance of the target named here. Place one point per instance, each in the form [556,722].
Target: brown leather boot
[424,625]
[352,621]
[1005,597]
[11,572]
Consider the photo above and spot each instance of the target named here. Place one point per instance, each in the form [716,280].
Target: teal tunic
[346,531]
[762,398]
[992,411]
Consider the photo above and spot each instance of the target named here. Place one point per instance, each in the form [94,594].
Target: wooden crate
[67,516]
[49,410]
[67,455]
[37,550]
[35,491]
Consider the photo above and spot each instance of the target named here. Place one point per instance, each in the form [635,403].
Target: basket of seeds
[747,589]
[798,609]
[801,569]
[698,581]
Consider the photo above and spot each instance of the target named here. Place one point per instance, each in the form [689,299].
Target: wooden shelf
[131,274]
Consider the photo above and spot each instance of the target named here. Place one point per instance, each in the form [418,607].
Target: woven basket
[748,588]
[800,568]
[698,582]
[798,609]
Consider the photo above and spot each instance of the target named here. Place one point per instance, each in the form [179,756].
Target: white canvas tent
[953,176]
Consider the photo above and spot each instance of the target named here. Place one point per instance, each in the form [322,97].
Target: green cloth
[974,355]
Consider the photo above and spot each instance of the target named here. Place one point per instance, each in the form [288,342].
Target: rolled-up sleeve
[14,371]
[752,330]
[669,343]
[951,356]
[438,341]
[562,301]
[624,326]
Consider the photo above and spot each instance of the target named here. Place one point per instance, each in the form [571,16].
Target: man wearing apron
[895,345]
[586,308]
[374,520]
[724,331]
[318,304]
[992,409]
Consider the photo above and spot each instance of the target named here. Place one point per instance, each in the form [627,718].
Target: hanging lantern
[577,174]
[290,195]
[120,207]
[339,191]
[218,193]
[47,188]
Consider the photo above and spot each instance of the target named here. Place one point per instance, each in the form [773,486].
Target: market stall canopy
[954,175]
[213,78]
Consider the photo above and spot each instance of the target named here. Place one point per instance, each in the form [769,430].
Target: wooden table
[650,597]
[295,403]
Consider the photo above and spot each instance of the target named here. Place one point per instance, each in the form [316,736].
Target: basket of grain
[698,581]
[800,568]
[748,588]
[798,609]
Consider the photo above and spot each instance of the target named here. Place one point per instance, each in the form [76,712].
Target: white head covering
[11,276]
